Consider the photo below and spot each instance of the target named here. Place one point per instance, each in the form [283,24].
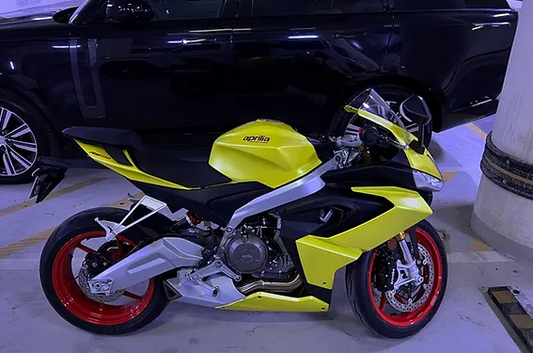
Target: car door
[170,75]
[457,48]
[295,60]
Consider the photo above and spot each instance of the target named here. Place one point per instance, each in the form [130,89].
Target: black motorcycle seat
[106,136]
[184,165]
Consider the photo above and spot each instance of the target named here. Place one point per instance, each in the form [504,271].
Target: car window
[165,10]
[313,7]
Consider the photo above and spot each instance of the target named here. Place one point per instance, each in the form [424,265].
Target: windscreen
[370,101]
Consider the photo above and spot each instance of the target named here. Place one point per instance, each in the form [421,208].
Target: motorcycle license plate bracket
[47,178]
[51,171]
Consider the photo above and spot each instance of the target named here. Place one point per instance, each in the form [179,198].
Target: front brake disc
[409,304]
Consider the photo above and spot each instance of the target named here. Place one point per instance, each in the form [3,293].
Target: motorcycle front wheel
[75,252]
[402,313]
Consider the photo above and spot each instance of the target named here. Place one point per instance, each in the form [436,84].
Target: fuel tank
[264,151]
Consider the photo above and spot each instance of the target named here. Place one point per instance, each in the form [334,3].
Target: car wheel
[24,136]
[394,95]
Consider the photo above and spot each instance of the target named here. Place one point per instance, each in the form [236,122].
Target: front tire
[63,287]
[371,311]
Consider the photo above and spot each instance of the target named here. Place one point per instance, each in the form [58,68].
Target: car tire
[394,94]
[24,136]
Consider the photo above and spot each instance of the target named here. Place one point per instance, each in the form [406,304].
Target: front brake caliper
[385,267]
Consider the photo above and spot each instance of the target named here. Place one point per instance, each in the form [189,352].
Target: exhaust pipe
[277,287]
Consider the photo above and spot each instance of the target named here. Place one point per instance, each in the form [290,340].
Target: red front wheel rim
[81,306]
[416,316]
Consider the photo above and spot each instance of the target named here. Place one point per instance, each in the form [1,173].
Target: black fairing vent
[341,218]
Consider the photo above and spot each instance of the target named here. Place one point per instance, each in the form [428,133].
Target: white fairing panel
[161,256]
[197,294]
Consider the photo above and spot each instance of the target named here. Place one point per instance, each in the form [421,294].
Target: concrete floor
[465,322]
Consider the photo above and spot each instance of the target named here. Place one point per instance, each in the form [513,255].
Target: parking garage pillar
[503,211]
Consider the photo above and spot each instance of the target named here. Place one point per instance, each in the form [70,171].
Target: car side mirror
[129,11]
[416,110]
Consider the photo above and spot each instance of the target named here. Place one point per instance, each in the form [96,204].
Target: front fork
[408,271]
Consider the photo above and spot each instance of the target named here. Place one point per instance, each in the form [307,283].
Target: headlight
[426,182]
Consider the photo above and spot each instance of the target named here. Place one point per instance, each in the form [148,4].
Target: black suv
[181,71]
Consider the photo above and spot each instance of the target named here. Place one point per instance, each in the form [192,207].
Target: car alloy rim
[18,146]
[413,128]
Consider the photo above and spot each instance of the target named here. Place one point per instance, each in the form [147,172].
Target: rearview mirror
[129,11]
[415,109]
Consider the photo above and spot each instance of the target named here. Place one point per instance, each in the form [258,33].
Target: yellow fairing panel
[262,301]
[129,171]
[422,162]
[322,257]
[268,152]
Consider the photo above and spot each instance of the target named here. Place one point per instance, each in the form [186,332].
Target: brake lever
[397,144]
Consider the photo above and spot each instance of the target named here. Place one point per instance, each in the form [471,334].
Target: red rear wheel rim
[416,316]
[81,306]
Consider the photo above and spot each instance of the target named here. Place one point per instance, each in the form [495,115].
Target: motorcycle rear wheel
[360,287]
[62,285]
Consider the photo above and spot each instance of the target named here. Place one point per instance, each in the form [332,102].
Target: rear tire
[107,319]
[365,308]
[392,93]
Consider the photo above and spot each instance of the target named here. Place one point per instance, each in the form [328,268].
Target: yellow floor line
[125,202]
[448,176]
[39,237]
[476,130]
[25,243]
[53,195]
[478,245]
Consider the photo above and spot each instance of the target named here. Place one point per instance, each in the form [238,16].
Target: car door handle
[193,41]
[490,24]
[349,35]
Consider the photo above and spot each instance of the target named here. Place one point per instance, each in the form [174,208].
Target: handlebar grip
[370,136]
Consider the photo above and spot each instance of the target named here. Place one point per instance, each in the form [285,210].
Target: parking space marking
[125,202]
[478,245]
[41,236]
[477,257]
[53,195]
[448,176]
[25,243]
[475,129]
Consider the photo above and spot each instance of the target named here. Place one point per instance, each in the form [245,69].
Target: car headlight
[426,182]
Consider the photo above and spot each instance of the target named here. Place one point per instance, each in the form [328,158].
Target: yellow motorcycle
[260,221]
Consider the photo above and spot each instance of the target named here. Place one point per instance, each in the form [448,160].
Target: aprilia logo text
[258,139]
